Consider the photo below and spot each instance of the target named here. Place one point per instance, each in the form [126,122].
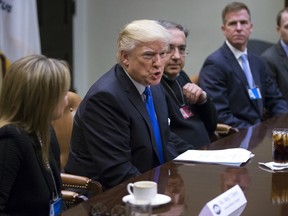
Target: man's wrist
[204,100]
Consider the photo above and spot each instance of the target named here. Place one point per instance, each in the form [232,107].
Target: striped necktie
[246,69]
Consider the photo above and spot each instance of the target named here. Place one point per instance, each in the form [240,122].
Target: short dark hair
[232,7]
[173,25]
[279,16]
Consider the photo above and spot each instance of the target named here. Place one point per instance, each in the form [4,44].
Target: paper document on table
[232,156]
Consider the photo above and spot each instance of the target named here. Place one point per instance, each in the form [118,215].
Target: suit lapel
[137,102]
[132,93]
[46,175]
[238,72]
[236,68]
[282,54]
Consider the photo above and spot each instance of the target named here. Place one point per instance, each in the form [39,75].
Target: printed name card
[231,202]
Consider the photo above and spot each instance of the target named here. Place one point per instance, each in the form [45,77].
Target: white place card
[231,202]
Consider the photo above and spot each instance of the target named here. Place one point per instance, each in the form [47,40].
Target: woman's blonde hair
[31,90]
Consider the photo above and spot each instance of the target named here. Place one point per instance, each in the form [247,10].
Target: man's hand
[194,94]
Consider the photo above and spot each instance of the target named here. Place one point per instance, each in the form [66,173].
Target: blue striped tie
[151,111]
[246,69]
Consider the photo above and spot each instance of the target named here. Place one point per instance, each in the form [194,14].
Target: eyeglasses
[181,49]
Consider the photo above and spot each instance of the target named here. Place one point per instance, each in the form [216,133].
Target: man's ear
[223,28]
[124,58]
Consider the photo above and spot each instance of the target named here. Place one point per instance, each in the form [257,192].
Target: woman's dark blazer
[26,187]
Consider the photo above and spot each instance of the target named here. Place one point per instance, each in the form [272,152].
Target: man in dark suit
[276,56]
[241,99]
[192,114]
[113,138]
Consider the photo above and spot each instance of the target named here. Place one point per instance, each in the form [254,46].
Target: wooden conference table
[191,186]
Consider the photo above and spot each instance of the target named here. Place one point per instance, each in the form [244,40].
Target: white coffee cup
[143,190]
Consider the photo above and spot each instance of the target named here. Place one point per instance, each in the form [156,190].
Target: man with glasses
[192,115]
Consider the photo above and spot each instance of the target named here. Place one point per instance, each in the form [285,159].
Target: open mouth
[157,75]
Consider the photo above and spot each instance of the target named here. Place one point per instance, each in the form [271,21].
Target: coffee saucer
[160,199]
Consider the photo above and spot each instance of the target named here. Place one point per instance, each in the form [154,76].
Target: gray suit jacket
[277,61]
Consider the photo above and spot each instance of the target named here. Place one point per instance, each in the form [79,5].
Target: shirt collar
[166,76]
[140,88]
[237,53]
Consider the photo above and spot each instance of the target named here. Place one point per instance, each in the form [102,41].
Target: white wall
[97,23]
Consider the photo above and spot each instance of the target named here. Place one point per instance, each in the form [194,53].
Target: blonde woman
[34,93]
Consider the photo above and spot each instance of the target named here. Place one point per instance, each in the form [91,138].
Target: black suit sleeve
[176,145]
[107,133]
[10,164]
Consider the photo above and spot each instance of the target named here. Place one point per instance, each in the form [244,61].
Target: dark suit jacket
[224,81]
[112,135]
[277,61]
[26,186]
[197,128]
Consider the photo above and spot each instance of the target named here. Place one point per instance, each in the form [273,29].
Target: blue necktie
[246,69]
[151,111]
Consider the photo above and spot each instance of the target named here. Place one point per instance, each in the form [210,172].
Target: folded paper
[232,156]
